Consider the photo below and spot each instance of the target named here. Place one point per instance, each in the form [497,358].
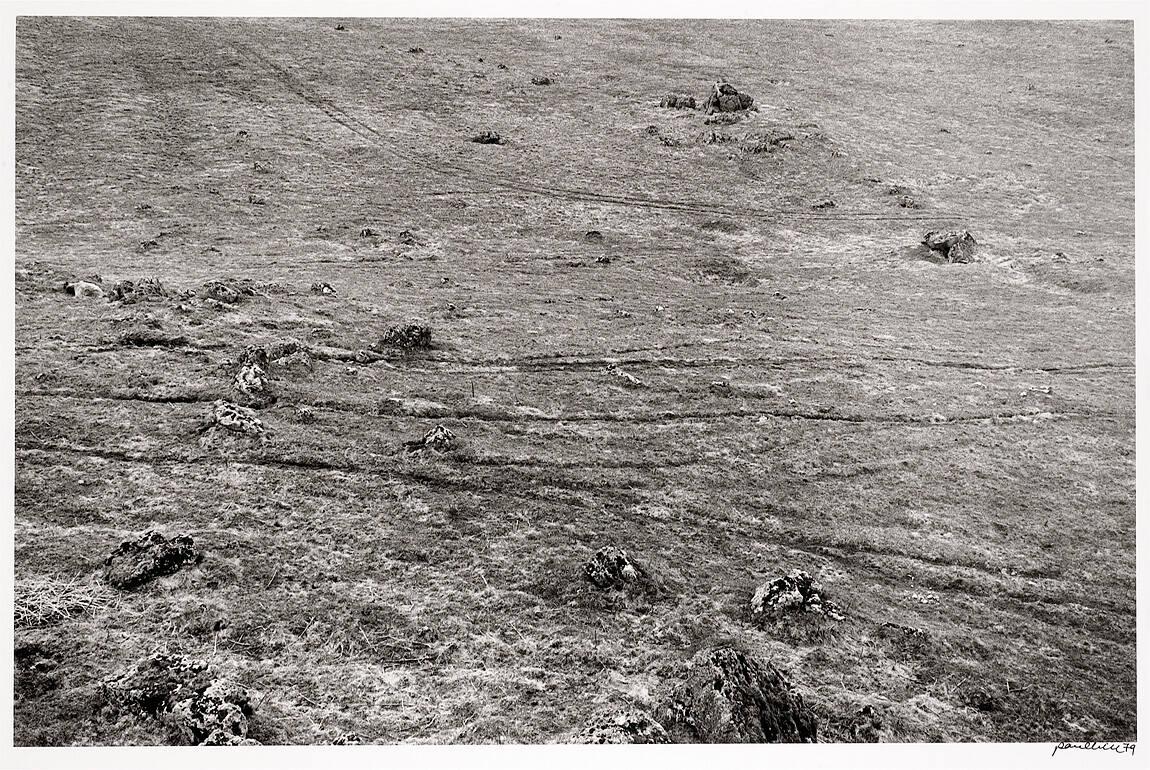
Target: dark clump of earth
[729,697]
[488,137]
[136,562]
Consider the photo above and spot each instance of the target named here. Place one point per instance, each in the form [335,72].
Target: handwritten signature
[1117,748]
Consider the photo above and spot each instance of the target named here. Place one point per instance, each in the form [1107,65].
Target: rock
[368,232]
[542,80]
[602,259]
[141,290]
[729,697]
[234,418]
[135,562]
[407,238]
[678,102]
[415,49]
[611,567]
[322,288]
[957,245]
[632,726]
[438,438]
[156,683]
[825,203]
[407,337]
[724,98]
[488,137]
[794,592]
[593,236]
[347,739]
[207,710]
[252,380]
[83,289]
[217,716]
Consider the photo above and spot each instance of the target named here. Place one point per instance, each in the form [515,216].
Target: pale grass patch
[44,600]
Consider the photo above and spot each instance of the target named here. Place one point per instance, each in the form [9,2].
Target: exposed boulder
[83,289]
[729,697]
[611,567]
[438,438]
[136,562]
[322,287]
[956,245]
[631,726]
[796,591]
[406,337]
[218,716]
[207,710]
[541,80]
[724,98]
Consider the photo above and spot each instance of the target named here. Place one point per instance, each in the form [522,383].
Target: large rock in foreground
[729,697]
[207,710]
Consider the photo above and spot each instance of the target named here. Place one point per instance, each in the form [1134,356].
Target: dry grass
[42,601]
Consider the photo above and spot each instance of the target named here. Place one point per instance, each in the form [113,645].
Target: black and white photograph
[492,378]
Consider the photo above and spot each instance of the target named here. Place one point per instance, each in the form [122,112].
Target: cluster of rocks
[796,591]
[406,337]
[439,439]
[957,246]
[136,562]
[185,693]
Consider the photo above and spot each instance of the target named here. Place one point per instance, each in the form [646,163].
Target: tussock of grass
[41,601]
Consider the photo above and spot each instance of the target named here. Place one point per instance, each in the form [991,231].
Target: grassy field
[948,448]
